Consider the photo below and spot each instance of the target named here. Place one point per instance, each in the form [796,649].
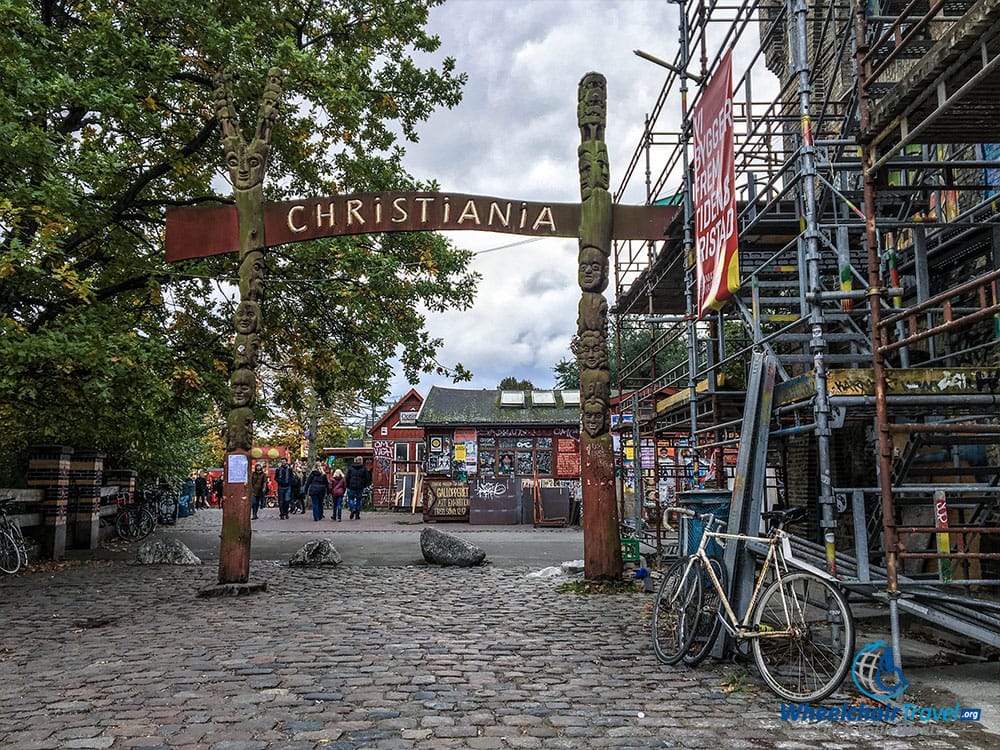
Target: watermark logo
[875,673]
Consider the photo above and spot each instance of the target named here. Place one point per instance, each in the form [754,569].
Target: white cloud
[515,136]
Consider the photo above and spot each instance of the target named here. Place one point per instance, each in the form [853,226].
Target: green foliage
[107,118]
[567,372]
[510,383]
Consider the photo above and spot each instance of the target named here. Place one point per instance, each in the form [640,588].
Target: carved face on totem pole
[247,317]
[239,429]
[272,92]
[591,350]
[246,350]
[242,387]
[591,110]
[595,171]
[595,384]
[268,112]
[593,270]
[246,166]
[594,417]
[252,277]
[592,313]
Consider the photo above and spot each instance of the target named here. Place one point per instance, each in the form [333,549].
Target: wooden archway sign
[250,225]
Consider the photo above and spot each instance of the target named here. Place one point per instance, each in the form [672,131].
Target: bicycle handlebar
[705,517]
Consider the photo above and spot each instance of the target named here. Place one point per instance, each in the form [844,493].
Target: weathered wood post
[601,543]
[247,164]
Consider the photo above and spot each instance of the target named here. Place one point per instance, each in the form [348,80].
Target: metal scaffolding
[867,179]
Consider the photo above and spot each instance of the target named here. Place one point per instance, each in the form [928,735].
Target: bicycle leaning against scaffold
[798,624]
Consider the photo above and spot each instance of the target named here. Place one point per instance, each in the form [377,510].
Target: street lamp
[664,64]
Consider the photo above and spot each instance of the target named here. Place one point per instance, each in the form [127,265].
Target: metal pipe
[924,489]
[854,294]
[907,400]
[952,555]
[959,427]
[951,530]
[885,447]
[797,34]
[897,650]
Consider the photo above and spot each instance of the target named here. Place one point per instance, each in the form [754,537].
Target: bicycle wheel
[813,660]
[708,623]
[676,610]
[126,523]
[145,522]
[18,537]
[10,555]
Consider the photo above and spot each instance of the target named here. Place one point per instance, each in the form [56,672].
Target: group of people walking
[294,486]
[322,482]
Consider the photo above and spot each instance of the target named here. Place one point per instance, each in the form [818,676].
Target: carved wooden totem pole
[602,547]
[247,163]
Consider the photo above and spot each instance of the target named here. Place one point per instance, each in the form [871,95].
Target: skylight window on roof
[543,398]
[511,398]
[571,398]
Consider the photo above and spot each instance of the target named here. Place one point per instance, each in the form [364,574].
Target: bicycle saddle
[781,516]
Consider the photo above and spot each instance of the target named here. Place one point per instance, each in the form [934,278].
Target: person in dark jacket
[299,484]
[200,491]
[316,487]
[258,486]
[357,478]
[338,486]
[218,488]
[283,478]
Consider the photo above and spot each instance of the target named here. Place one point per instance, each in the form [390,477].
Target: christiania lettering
[438,212]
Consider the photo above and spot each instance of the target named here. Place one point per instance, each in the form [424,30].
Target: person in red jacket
[338,486]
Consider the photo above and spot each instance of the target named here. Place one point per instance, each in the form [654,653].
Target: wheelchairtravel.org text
[904,712]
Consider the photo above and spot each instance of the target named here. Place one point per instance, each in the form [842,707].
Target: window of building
[507,456]
[402,452]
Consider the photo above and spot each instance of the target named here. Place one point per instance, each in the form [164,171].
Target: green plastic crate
[630,550]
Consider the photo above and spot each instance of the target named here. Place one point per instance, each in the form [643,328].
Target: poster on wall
[567,458]
[471,457]
[716,240]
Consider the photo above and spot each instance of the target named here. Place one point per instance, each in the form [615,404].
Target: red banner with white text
[716,243]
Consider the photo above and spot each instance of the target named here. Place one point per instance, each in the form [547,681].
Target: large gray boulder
[160,551]
[316,552]
[444,549]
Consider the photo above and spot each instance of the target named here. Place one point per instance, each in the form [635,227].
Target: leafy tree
[510,383]
[107,118]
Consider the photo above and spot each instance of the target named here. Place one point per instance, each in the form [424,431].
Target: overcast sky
[514,136]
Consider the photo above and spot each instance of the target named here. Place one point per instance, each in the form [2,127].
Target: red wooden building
[398,450]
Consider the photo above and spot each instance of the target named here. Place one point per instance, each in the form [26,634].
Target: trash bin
[185,504]
[716,502]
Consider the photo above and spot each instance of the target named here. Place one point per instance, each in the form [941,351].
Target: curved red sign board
[200,231]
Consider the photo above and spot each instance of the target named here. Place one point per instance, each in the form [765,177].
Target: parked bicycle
[162,500]
[136,518]
[13,553]
[798,624]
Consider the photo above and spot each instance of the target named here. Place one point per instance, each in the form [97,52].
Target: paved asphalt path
[388,654]
[383,538]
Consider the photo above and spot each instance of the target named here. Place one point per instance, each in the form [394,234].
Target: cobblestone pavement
[105,654]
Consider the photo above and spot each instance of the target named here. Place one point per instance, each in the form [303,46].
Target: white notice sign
[236,468]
